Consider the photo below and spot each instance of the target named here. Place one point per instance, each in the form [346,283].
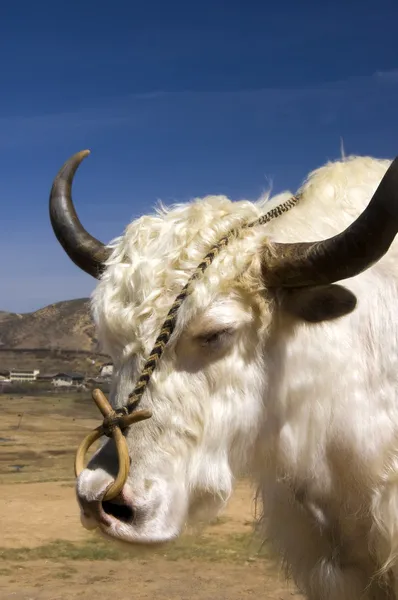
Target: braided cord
[170,321]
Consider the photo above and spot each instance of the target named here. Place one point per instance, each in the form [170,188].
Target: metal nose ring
[113,425]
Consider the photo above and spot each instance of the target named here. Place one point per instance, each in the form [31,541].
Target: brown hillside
[64,326]
[57,337]
[50,361]
[5,315]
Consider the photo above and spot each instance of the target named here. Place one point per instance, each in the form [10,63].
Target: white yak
[273,368]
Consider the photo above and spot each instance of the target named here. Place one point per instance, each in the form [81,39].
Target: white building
[24,374]
[67,379]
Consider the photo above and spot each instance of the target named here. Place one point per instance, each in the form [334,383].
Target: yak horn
[345,255]
[88,253]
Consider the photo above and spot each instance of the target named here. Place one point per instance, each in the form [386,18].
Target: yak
[283,364]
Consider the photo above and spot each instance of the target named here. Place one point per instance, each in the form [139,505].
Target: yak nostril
[92,510]
[122,512]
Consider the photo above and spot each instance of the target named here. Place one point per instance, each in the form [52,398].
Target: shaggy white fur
[309,409]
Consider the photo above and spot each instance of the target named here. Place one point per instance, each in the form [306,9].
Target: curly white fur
[310,410]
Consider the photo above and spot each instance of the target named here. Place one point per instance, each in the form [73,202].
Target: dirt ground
[45,554]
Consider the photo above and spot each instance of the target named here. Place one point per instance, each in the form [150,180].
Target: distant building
[24,375]
[106,370]
[67,379]
[45,377]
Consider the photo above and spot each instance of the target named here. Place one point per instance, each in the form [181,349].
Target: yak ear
[317,304]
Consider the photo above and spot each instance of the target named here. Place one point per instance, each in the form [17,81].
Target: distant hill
[65,325]
[58,336]
[5,315]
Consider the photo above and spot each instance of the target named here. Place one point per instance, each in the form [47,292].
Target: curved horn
[345,255]
[88,253]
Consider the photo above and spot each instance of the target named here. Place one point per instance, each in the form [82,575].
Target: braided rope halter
[117,421]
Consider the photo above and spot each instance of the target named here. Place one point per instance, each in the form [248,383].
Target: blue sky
[175,100]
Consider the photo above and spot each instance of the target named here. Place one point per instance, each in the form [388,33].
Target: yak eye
[212,338]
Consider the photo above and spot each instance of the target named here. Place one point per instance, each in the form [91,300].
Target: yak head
[209,392]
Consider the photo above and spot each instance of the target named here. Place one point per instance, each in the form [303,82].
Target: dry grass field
[45,554]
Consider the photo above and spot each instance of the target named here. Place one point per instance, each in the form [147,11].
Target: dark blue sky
[175,100]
